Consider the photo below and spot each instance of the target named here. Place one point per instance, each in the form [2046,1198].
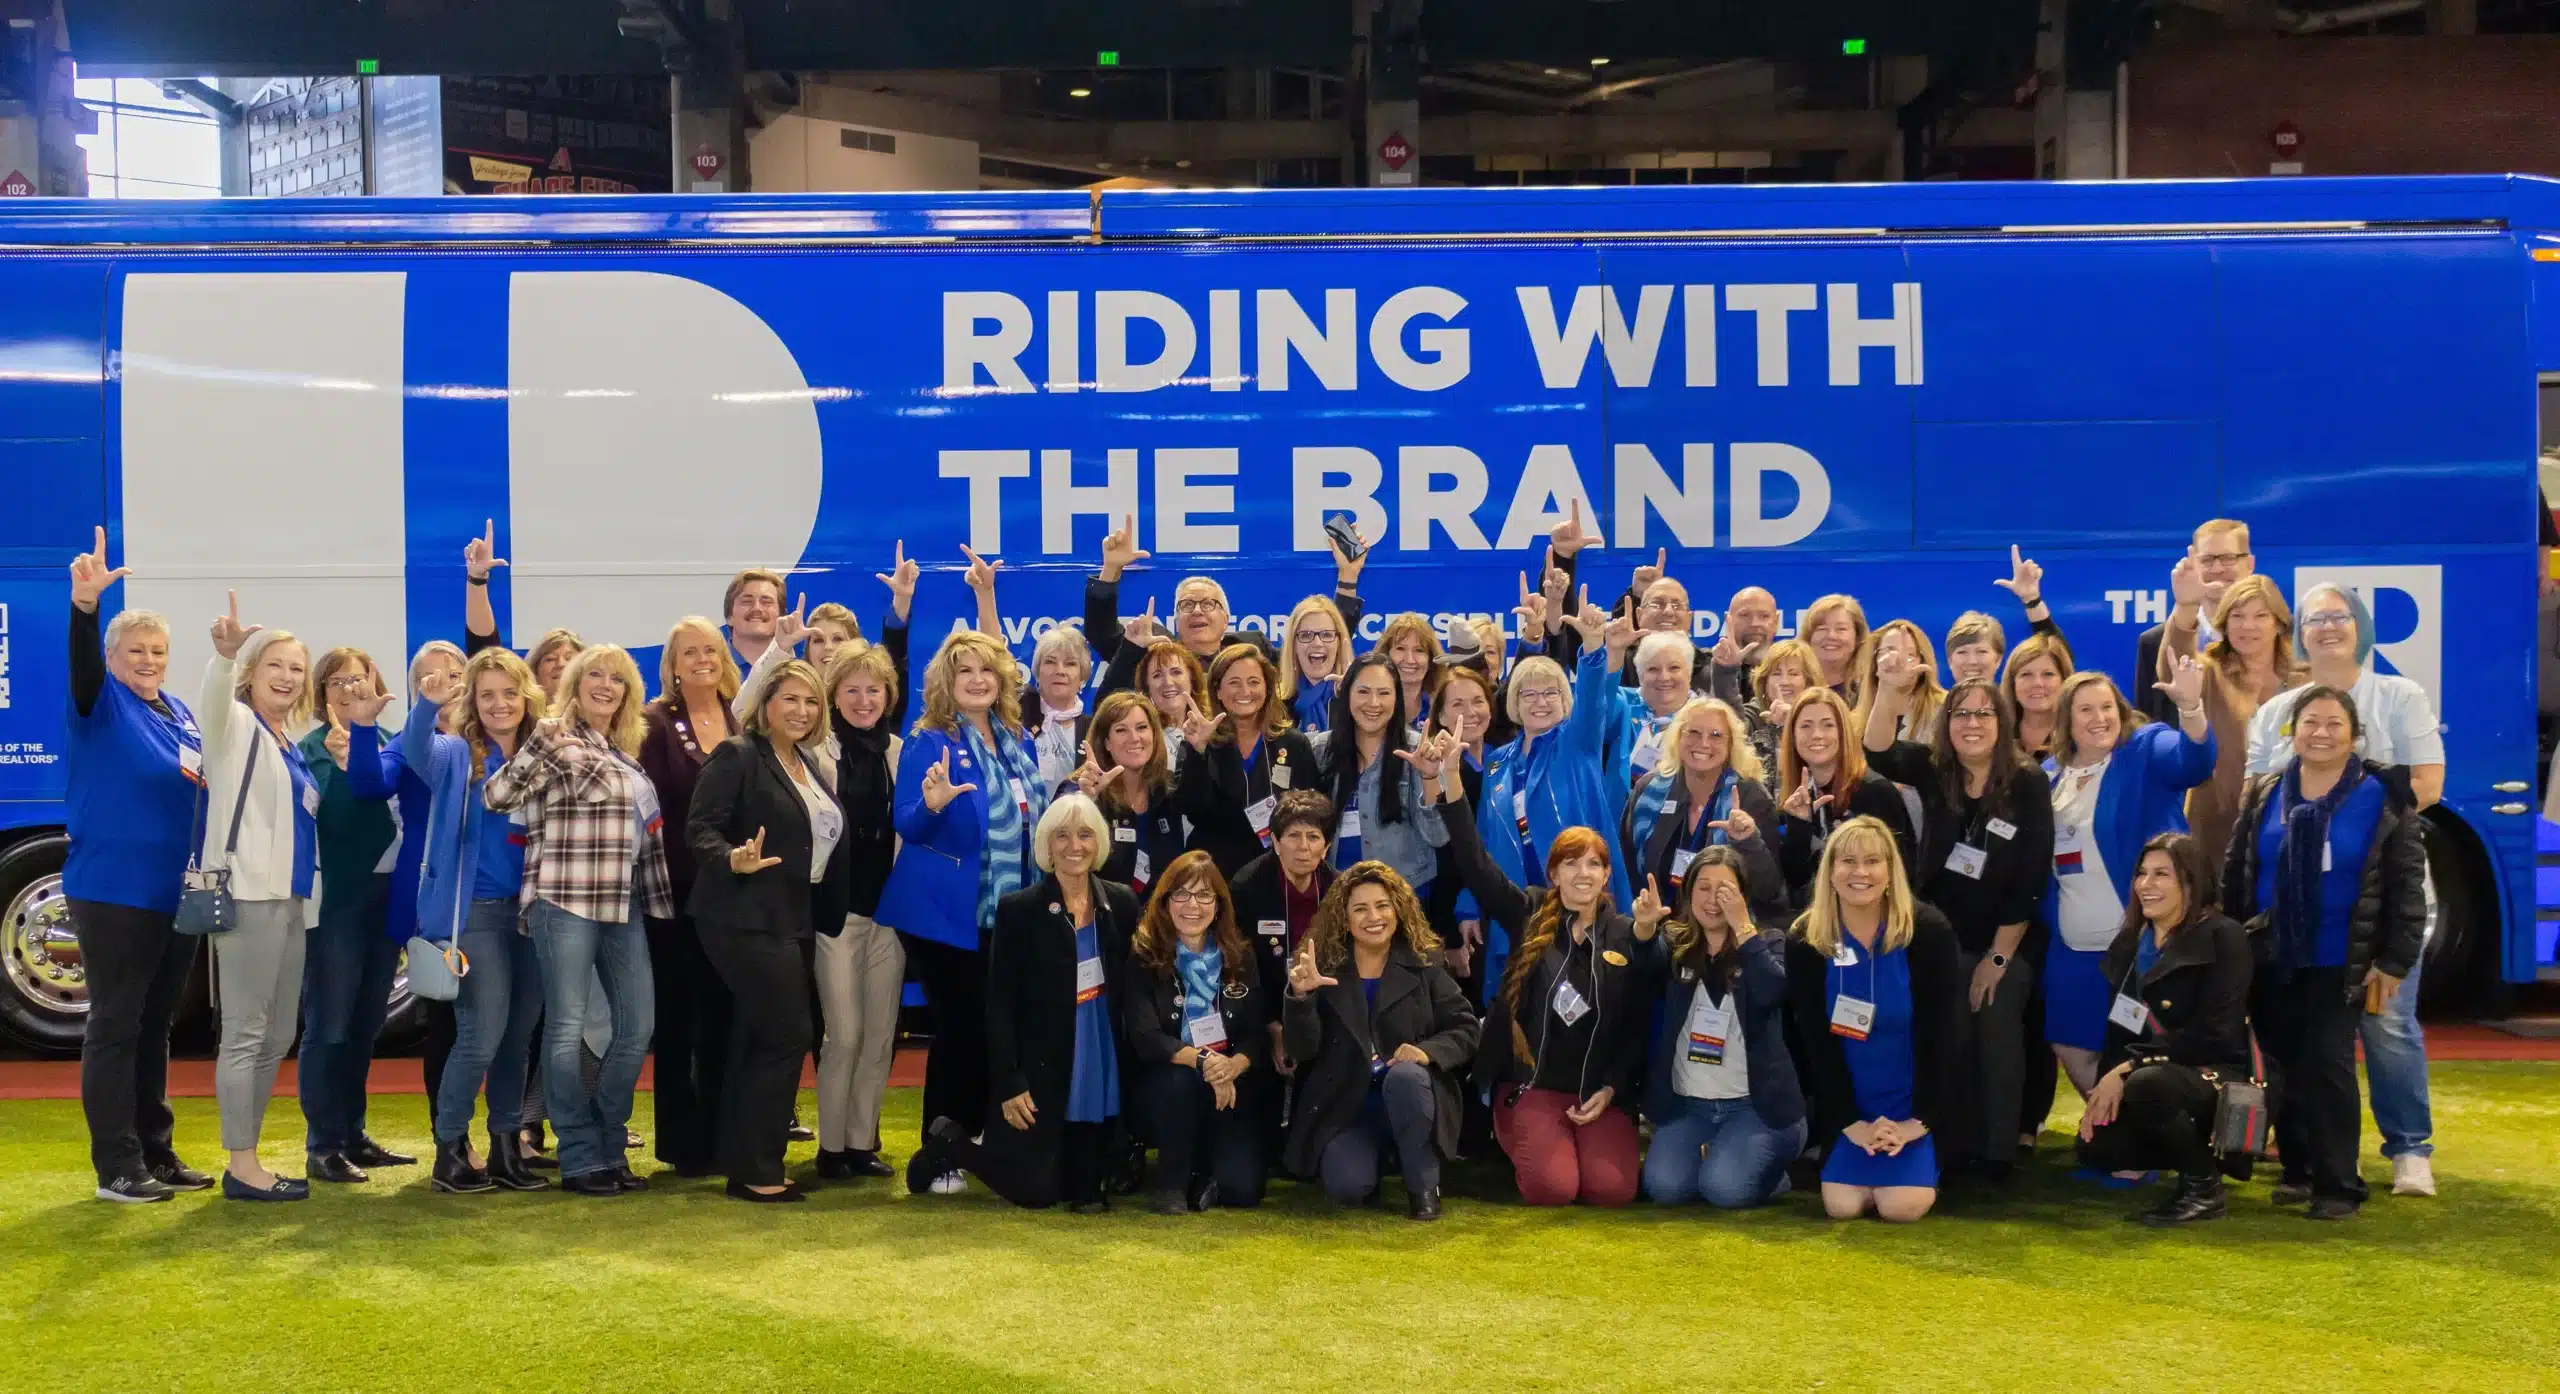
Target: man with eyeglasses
[1200,616]
[2220,547]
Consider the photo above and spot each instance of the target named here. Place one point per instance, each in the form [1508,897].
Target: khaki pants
[860,975]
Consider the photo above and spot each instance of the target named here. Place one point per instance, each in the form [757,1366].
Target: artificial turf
[389,1286]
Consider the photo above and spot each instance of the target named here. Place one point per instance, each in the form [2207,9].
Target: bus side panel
[51,374]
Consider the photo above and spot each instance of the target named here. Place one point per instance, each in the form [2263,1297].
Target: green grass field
[390,1286]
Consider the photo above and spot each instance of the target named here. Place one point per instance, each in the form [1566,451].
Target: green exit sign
[368,67]
[1853,48]
[1107,58]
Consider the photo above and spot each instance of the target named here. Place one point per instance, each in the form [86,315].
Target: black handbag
[2243,1118]
[205,905]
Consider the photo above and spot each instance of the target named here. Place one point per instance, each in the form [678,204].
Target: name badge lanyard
[2129,1011]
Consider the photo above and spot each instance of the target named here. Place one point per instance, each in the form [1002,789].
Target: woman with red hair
[1564,1039]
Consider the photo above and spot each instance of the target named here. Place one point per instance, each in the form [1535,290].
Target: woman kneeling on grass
[1873,982]
[1379,1047]
[1722,1080]
[1198,1027]
[1055,956]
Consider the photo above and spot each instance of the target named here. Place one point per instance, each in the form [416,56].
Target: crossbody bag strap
[248,770]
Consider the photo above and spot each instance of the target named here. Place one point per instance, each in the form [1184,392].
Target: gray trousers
[257,977]
[1995,1060]
[861,974]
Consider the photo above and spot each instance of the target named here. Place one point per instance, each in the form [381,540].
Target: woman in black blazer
[1823,782]
[1380,1032]
[2185,968]
[762,810]
[1242,760]
[1056,958]
[1195,1013]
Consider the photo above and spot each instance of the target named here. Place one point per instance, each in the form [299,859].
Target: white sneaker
[952,1183]
[2412,1176]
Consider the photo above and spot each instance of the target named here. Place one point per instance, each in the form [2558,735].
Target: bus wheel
[44,991]
[2462,978]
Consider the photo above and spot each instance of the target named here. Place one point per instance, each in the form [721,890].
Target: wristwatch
[1999,960]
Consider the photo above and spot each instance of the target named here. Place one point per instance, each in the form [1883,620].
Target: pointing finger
[1661,558]
[235,606]
[2016,558]
[102,542]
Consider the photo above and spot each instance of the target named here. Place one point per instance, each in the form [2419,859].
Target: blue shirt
[131,810]
[2351,831]
[1093,1085]
[1880,1067]
[2146,952]
[306,828]
[498,861]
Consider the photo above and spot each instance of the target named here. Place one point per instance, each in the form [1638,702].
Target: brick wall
[2364,105]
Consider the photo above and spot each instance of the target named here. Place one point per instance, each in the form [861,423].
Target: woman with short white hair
[1061,665]
[1055,955]
[263,830]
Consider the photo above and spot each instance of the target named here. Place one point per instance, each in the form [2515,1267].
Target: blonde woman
[697,680]
[1786,672]
[830,627]
[1919,659]
[1722,1080]
[1314,650]
[862,970]
[595,868]
[968,798]
[1414,649]
[1874,989]
[260,825]
[2032,680]
[1707,789]
[2249,661]
[1835,627]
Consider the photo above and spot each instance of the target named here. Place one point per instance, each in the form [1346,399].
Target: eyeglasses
[2329,619]
[1325,636]
[1664,607]
[1972,714]
[1198,605]
[354,684]
[1198,895]
[2219,560]
[1541,694]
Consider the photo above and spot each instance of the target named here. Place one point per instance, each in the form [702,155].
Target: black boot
[834,1166]
[506,1162]
[2199,1197]
[1423,1204]
[534,1151]
[454,1173]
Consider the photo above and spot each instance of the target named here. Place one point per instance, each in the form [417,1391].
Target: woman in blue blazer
[2116,783]
[969,796]
[1551,778]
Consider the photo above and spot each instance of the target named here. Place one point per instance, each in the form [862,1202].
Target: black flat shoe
[629,1180]
[800,1131]
[923,1167]
[369,1153]
[788,1195]
[178,1176]
[333,1167]
[834,1166]
[592,1183]
[868,1166]
[2331,1208]
[1203,1193]
[286,1188]
[1423,1204]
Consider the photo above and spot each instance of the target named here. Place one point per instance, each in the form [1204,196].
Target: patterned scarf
[1200,973]
[1007,779]
[2298,856]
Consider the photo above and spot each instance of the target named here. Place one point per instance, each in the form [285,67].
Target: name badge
[1967,861]
[1279,776]
[2324,856]
[1141,869]
[644,799]
[1271,929]
[1845,956]
[1520,809]
[1349,826]
[1648,751]
[2002,828]
[1710,1026]
[1680,859]
[1258,813]
[1088,979]
[828,825]
[191,763]
[311,802]
[1569,1005]
[2131,1013]
[1852,1018]
[1207,1032]
[1124,833]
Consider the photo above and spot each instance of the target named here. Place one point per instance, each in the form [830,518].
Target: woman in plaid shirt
[595,865]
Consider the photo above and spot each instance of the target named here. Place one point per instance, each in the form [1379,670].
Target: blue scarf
[1004,772]
[1653,797]
[2306,837]
[1200,973]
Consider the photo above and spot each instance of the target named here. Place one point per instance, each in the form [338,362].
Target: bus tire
[44,994]
[2463,979]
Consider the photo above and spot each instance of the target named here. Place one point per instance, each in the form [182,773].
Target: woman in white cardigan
[257,691]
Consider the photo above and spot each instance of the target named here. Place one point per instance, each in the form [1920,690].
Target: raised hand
[1736,826]
[1199,730]
[1532,610]
[1802,801]
[938,789]
[792,627]
[1552,582]
[229,633]
[1646,575]
[366,710]
[1568,537]
[1586,619]
[750,859]
[1428,757]
[439,687]
[1619,634]
[1303,977]
[1729,904]
[1649,909]
[480,554]
[981,575]
[1896,671]
[1728,654]
[1781,711]
[336,744]
[1120,548]
[2025,580]
[2185,685]
[90,576]
[1346,569]
[900,578]
[2186,584]
[1092,778]
[1142,629]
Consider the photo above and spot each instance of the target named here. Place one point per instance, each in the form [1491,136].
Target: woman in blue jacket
[2116,784]
[1721,1080]
[969,796]
[135,772]
[1551,778]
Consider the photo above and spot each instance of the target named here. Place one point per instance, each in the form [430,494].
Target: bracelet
[2196,710]
[477,580]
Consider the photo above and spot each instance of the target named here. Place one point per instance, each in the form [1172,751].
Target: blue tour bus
[1866,389]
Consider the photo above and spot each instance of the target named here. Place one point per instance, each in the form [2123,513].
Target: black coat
[1213,790]
[1937,1026]
[1156,832]
[1031,988]
[1769,898]
[742,788]
[2148,700]
[1333,1036]
[1151,1014]
[1260,892]
[2389,927]
[1800,840]
[2198,992]
[1759,1003]
[2015,870]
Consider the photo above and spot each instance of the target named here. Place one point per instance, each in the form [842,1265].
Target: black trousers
[1194,1137]
[2308,1028]
[2164,1121]
[1048,1162]
[137,966]
[955,992]
[439,1045]
[691,1046]
[2042,1082]
[767,976]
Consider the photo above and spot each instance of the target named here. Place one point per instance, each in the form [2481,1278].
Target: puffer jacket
[2389,928]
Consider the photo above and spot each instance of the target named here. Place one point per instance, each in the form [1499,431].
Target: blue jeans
[492,1021]
[2395,1073]
[1745,1161]
[347,965]
[573,949]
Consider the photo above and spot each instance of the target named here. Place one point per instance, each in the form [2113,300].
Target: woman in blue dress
[1872,978]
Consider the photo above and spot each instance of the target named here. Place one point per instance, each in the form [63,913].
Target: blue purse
[205,905]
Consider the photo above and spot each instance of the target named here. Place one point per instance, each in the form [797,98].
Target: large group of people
[1193,908]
